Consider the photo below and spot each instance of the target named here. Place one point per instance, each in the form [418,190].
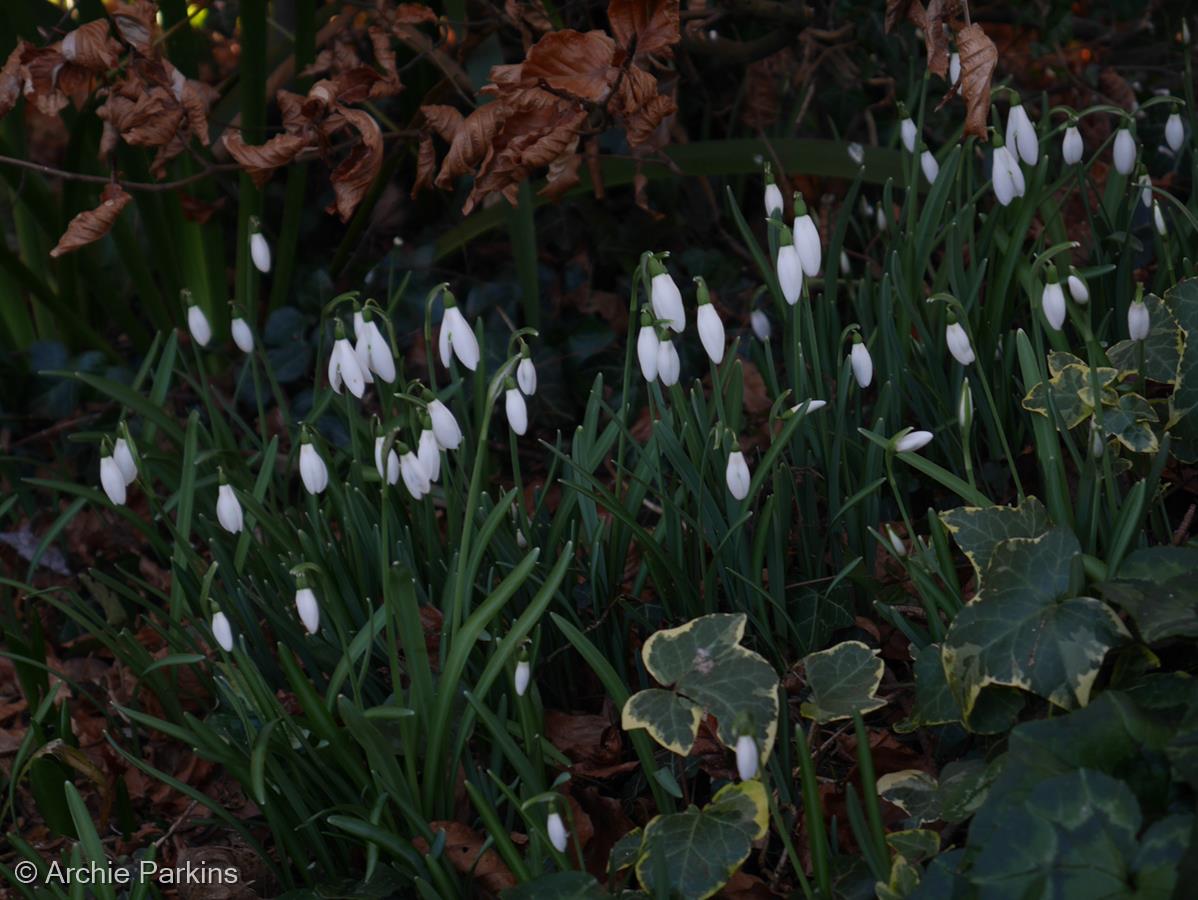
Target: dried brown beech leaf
[10,79]
[641,107]
[260,161]
[137,24]
[464,850]
[652,24]
[92,47]
[40,67]
[390,85]
[197,101]
[154,119]
[574,63]
[897,10]
[354,174]
[530,17]
[426,165]
[91,225]
[563,173]
[445,120]
[935,38]
[413,14]
[979,56]
[471,142]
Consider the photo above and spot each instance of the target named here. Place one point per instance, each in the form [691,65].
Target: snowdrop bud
[428,451]
[856,153]
[522,677]
[908,133]
[845,267]
[307,607]
[669,367]
[222,631]
[1174,132]
[1071,146]
[1137,320]
[665,297]
[313,472]
[809,405]
[112,479]
[242,336]
[912,441]
[1021,134]
[457,337]
[806,238]
[790,268]
[124,460]
[392,472]
[965,406]
[897,545]
[737,475]
[746,757]
[862,362]
[526,375]
[761,325]
[1078,289]
[958,342]
[260,252]
[647,347]
[344,367]
[930,167]
[415,479]
[954,68]
[1124,152]
[197,324]
[516,409]
[711,329]
[773,195]
[445,426]
[1052,302]
[1097,444]
[1158,219]
[558,836]
[1145,184]
[880,218]
[228,510]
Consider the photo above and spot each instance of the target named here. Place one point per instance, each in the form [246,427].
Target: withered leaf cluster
[978,54]
[571,84]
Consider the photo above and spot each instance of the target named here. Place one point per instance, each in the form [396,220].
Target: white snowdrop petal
[666,301]
[907,131]
[526,376]
[516,409]
[1071,146]
[228,510]
[1078,290]
[930,167]
[773,200]
[958,343]
[711,332]
[197,324]
[669,366]
[912,441]
[1053,304]
[260,252]
[646,351]
[112,479]
[445,425]
[790,273]
[1174,132]
[243,337]
[124,459]
[761,325]
[558,836]
[736,474]
[1124,152]
[746,757]
[313,471]
[1138,322]
[222,631]
[806,241]
[863,365]
[522,677]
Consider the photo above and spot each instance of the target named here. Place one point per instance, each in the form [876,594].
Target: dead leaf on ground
[463,846]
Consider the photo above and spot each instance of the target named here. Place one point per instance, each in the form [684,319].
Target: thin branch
[106,179]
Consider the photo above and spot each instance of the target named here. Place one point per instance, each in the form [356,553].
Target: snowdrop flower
[1125,151]
[856,153]
[958,342]
[806,238]
[1158,219]
[862,362]
[344,367]
[907,130]
[912,441]
[197,324]
[665,297]
[526,374]
[1052,302]
[809,405]
[897,546]
[392,471]
[428,451]
[373,352]
[445,426]
[515,407]
[845,267]
[1137,320]
[523,674]
[1097,444]
[415,478]
[965,406]
[306,606]
[1145,184]
[222,631]
[1174,132]
[1078,289]
[761,325]
[711,329]
[647,347]
[954,68]
[746,757]
[242,336]
[669,367]
[124,460]
[228,509]
[112,479]
[313,472]
[737,475]
[259,249]
[930,167]
[558,836]
[1071,145]
[790,268]
[773,195]
[1021,133]
[880,218]
[457,337]
[1005,175]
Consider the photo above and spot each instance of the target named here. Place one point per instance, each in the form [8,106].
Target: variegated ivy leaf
[698,850]
[1162,348]
[1182,301]
[1066,391]
[914,792]
[1023,631]
[915,844]
[705,669]
[1156,585]
[978,530]
[843,680]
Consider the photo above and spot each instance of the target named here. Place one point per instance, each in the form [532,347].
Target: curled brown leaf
[897,10]
[645,27]
[979,56]
[137,24]
[574,63]
[354,174]
[92,224]
[935,38]
[10,80]
[260,161]
[445,120]
[426,165]
[92,47]
[471,142]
